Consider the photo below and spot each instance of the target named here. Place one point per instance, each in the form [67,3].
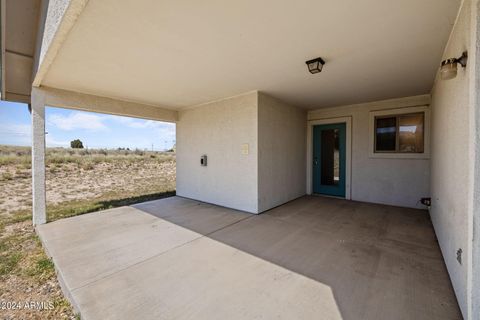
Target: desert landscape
[78,181]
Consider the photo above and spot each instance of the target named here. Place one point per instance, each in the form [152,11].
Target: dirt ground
[78,181]
[77,177]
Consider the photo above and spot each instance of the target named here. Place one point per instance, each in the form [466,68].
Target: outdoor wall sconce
[448,69]
[315,65]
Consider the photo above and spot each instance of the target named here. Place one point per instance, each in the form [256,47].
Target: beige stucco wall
[55,13]
[281,152]
[273,171]
[474,115]
[393,181]
[450,169]
[219,129]
[60,17]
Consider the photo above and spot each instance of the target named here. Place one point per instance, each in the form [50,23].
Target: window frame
[397,113]
[397,132]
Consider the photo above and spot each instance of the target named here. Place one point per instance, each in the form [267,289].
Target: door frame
[348,155]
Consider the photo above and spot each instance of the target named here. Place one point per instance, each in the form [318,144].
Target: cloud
[21,134]
[140,123]
[78,120]
[53,142]
[15,134]
[15,129]
[144,133]
[165,129]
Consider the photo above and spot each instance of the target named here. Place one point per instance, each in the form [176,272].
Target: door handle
[315,161]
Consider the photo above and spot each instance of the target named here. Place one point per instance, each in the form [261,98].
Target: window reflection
[403,133]
[411,133]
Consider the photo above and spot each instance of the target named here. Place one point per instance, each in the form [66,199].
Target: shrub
[56,160]
[26,165]
[76,144]
[84,152]
[7,176]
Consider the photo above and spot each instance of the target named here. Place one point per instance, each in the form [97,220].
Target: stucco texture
[270,174]
[450,173]
[218,130]
[55,13]
[281,152]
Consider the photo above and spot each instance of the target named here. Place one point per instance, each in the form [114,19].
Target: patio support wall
[38,158]
[226,132]
[281,152]
[475,118]
[256,152]
[454,167]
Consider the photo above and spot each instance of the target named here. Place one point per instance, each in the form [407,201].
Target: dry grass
[78,181]
[83,174]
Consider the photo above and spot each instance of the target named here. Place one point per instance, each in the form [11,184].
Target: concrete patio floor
[312,258]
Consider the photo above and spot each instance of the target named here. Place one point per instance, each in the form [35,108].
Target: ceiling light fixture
[315,65]
[448,68]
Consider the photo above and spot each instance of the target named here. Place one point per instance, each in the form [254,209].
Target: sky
[95,130]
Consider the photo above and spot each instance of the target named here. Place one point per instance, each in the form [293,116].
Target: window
[401,133]
[385,134]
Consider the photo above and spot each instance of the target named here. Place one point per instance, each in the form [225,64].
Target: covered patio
[314,257]
[391,120]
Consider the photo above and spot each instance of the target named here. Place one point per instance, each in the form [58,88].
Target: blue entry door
[329,147]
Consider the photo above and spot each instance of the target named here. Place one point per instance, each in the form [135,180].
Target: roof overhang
[19,23]
[174,54]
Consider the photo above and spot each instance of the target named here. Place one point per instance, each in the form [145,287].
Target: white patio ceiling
[182,53]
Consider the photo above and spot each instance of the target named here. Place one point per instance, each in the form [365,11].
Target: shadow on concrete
[79,207]
[381,262]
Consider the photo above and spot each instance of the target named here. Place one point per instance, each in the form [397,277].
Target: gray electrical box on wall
[203,160]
